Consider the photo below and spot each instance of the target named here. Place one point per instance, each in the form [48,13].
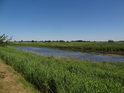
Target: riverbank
[64,75]
[12,82]
[71,54]
[116,48]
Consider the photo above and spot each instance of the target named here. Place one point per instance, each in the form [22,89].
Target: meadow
[97,47]
[63,75]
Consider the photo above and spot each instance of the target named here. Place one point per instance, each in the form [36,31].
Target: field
[100,47]
[64,75]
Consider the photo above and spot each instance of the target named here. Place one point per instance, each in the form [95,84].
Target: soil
[9,81]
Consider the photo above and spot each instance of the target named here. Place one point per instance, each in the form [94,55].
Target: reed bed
[63,75]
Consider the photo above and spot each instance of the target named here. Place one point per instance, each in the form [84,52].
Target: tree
[110,41]
[4,40]
[21,41]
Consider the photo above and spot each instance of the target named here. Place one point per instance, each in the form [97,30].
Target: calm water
[71,54]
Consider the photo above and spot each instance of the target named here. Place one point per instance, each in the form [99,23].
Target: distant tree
[21,41]
[32,41]
[121,41]
[61,41]
[79,40]
[4,40]
[48,40]
[110,41]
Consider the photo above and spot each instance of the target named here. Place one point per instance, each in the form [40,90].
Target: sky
[62,19]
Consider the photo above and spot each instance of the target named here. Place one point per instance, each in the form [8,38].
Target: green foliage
[110,41]
[63,75]
[4,40]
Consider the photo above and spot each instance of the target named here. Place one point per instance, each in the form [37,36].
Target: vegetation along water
[99,47]
[64,75]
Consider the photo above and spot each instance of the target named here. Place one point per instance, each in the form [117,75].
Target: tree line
[109,41]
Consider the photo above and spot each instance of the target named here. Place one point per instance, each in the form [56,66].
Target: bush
[110,41]
[4,40]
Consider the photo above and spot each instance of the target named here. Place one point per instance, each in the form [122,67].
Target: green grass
[19,79]
[63,75]
[104,47]
[27,85]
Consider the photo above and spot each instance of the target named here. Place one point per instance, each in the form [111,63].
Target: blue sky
[62,19]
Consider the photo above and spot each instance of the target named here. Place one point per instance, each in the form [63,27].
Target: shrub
[4,40]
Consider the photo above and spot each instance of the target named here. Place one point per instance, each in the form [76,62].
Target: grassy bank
[62,75]
[102,47]
[13,82]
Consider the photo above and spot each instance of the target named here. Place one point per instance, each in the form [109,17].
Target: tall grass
[104,47]
[63,75]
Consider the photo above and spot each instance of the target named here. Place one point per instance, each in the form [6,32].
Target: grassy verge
[100,47]
[13,82]
[63,75]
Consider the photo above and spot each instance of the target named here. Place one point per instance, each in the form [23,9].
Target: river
[72,54]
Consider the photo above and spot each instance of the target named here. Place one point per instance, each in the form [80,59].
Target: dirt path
[9,82]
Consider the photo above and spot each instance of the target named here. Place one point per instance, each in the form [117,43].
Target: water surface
[71,54]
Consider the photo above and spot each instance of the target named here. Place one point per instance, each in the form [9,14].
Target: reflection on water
[71,54]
